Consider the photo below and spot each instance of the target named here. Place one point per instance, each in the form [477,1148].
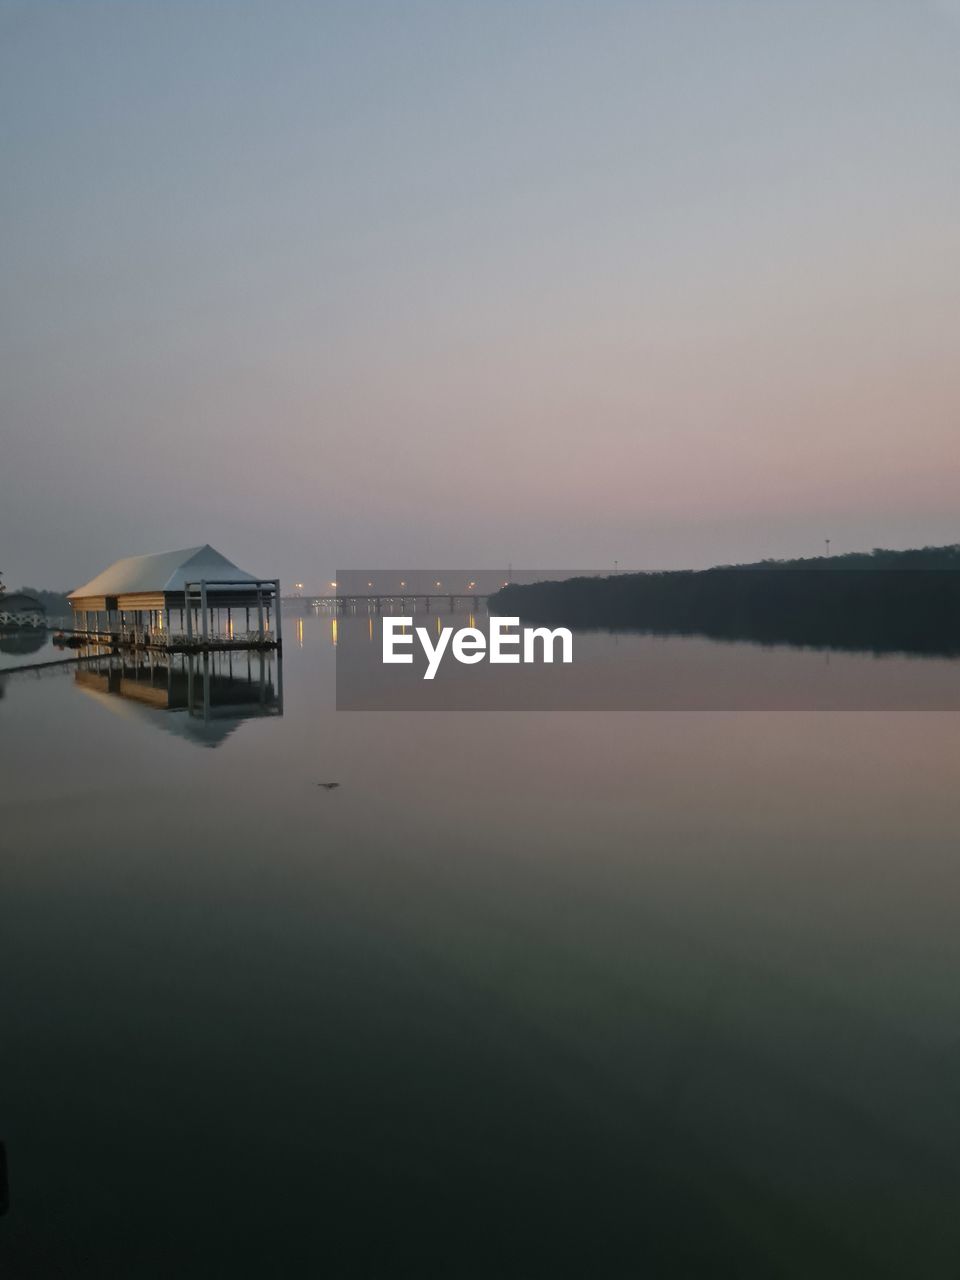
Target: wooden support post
[276,596]
[203,608]
[189,609]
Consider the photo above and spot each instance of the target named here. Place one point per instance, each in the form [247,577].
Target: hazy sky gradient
[663,281]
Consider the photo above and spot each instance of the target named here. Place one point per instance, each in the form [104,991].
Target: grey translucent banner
[723,640]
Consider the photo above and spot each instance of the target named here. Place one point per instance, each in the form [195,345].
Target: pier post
[206,687]
[203,609]
[276,596]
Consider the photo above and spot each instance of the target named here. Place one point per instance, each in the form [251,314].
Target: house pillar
[276,596]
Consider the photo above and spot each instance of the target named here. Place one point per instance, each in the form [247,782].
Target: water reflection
[209,694]
[626,669]
[22,641]
[603,996]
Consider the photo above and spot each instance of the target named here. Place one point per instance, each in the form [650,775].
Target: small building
[181,600]
[21,612]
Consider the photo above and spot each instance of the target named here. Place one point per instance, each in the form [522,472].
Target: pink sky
[670,283]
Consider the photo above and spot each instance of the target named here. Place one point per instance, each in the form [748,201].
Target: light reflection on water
[631,670]
[525,995]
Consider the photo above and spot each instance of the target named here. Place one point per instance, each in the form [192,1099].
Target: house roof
[165,571]
[20,602]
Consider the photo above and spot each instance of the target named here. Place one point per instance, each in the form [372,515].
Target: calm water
[526,995]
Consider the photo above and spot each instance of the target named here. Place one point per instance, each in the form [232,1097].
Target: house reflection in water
[19,642]
[200,697]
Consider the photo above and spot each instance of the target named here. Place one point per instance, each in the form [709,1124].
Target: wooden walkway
[38,666]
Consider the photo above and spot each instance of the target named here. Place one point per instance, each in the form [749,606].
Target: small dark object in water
[328,786]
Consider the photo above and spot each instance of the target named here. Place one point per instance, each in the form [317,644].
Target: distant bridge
[376,601]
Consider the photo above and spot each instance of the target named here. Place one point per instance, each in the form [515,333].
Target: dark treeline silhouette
[55,602]
[880,602]
[879,558]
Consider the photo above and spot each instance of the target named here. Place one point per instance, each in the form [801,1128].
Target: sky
[327,285]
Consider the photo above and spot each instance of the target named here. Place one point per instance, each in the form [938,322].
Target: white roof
[167,571]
